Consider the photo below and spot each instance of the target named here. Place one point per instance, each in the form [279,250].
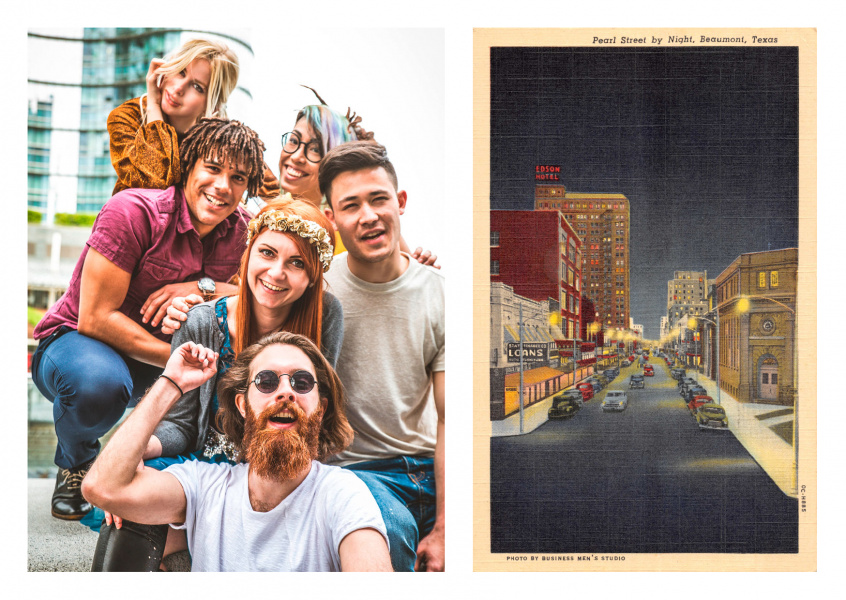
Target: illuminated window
[773,278]
[762,280]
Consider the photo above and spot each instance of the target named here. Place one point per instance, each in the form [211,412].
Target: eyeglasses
[291,142]
[267,382]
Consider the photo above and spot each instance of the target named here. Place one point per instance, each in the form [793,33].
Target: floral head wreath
[276,220]
[353,120]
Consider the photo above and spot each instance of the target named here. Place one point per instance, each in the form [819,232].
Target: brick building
[601,221]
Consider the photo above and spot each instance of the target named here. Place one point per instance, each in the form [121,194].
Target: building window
[762,280]
[494,267]
[494,238]
[773,278]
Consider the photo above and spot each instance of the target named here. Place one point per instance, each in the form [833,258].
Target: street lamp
[717,325]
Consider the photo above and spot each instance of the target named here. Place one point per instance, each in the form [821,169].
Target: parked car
[574,395]
[711,416]
[611,373]
[626,363]
[677,373]
[699,401]
[648,371]
[683,382]
[597,387]
[615,400]
[693,391]
[636,381]
[563,407]
[586,389]
[601,379]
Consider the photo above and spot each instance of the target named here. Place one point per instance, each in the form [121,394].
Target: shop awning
[532,376]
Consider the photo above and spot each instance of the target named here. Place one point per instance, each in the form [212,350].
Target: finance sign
[532,353]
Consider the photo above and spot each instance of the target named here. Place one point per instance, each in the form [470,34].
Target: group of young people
[288,399]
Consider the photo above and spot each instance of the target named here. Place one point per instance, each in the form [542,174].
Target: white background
[454,147]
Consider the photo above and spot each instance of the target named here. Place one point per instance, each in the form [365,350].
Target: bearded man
[280,509]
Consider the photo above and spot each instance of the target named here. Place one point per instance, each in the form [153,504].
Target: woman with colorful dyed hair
[317,130]
[281,289]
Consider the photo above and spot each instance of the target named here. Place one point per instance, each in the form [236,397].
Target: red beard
[281,454]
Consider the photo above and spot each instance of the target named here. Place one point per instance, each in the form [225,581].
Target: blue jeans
[90,385]
[404,489]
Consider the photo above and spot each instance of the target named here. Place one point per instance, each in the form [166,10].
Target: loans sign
[531,352]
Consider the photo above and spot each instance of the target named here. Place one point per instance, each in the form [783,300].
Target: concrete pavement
[757,427]
[56,545]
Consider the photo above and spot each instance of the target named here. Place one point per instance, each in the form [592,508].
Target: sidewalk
[56,545]
[758,427]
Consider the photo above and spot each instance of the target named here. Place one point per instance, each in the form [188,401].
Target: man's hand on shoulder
[425,257]
[177,312]
[155,307]
[431,552]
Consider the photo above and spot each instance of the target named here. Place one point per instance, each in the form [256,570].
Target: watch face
[206,284]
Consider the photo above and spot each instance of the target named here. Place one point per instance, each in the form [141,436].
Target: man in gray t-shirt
[392,359]
[280,510]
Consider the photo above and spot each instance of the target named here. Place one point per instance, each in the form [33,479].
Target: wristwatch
[206,285]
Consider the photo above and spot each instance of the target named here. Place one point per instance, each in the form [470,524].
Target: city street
[643,480]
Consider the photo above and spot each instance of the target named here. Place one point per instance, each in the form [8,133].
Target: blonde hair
[224,73]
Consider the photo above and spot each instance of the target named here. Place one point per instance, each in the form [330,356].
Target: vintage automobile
[693,391]
[615,400]
[574,395]
[648,371]
[636,381]
[563,407]
[597,386]
[586,389]
[602,379]
[685,382]
[711,416]
[699,401]
[611,373]
[626,363]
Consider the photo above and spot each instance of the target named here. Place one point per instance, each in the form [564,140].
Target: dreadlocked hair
[224,141]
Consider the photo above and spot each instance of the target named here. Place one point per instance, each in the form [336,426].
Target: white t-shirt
[302,533]
[394,340]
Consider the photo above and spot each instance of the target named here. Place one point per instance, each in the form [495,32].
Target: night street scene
[643,268]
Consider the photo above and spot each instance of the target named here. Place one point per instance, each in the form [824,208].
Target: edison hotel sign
[547,172]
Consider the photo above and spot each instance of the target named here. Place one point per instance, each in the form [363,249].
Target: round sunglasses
[267,382]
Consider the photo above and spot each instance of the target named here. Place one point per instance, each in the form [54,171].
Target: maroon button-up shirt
[148,233]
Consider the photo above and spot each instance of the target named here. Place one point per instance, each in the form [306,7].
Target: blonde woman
[194,81]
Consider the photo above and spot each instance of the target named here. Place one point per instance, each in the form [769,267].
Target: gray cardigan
[184,428]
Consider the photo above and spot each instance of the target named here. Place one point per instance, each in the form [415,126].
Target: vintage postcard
[645,313]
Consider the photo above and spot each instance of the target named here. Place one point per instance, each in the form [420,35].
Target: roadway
[644,480]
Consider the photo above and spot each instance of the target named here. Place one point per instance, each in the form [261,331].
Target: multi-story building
[602,223]
[75,78]
[540,256]
[756,300]
[687,296]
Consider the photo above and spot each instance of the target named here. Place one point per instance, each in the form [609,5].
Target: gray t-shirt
[393,341]
[302,533]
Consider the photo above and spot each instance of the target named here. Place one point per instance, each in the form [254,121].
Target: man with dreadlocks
[98,349]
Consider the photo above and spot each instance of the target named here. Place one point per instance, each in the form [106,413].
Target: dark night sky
[703,142]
